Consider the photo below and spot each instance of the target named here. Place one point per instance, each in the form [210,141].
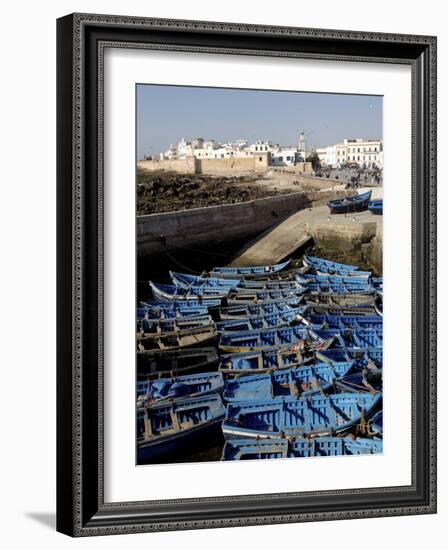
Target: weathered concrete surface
[345,233]
[190,165]
[299,168]
[303,176]
[183,166]
[172,230]
[338,230]
[214,224]
[374,252]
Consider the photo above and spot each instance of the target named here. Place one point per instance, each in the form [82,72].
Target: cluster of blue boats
[277,361]
[358,203]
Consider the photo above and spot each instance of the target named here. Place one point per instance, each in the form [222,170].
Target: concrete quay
[214,224]
[342,231]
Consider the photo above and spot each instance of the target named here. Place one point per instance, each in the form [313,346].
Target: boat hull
[351,204]
[254,270]
[158,364]
[178,445]
[187,385]
[168,429]
[299,381]
[327,267]
[197,337]
[249,449]
[313,416]
[376,207]
[201,296]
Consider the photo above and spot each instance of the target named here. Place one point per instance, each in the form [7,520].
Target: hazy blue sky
[165,114]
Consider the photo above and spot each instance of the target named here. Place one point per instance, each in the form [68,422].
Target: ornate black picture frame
[81,509]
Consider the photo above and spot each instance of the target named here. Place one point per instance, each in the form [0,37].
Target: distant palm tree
[315,161]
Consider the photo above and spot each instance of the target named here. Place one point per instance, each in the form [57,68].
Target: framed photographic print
[246,274]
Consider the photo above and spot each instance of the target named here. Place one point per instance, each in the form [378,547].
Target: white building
[327,155]
[201,148]
[184,149]
[227,151]
[207,148]
[197,143]
[240,143]
[261,146]
[285,156]
[210,144]
[204,153]
[341,154]
[365,153]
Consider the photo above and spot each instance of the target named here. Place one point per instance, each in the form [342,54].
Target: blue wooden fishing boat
[254,322]
[249,340]
[238,342]
[252,449]
[344,329]
[375,426]
[254,270]
[285,275]
[363,357]
[372,357]
[333,279]
[264,360]
[376,206]
[347,321]
[175,339]
[145,326]
[366,380]
[262,284]
[379,304]
[192,385]
[261,308]
[315,415]
[201,295]
[324,309]
[349,338]
[350,204]
[298,381]
[162,310]
[245,295]
[335,446]
[338,288]
[373,322]
[165,429]
[169,363]
[185,281]
[346,300]
[377,283]
[327,267]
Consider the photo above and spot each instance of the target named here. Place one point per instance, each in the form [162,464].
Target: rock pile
[167,191]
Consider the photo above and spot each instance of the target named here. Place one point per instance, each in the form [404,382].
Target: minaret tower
[302,142]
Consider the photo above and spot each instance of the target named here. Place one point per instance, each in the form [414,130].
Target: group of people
[355,181]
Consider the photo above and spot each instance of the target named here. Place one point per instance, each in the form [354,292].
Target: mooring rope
[181,265]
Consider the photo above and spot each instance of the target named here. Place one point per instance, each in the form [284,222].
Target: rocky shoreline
[159,192]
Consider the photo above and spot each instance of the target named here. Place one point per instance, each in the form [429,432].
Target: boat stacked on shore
[277,361]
